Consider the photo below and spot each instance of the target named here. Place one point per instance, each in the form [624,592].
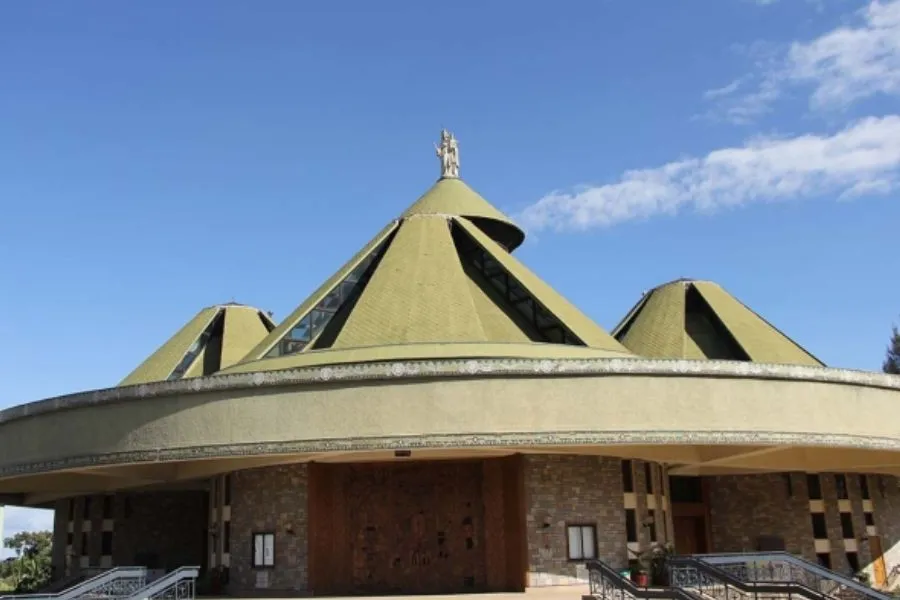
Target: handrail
[805,565]
[607,584]
[165,582]
[703,574]
[64,583]
[87,585]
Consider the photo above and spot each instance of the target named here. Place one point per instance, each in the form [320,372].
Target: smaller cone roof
[217,337]
[700,320]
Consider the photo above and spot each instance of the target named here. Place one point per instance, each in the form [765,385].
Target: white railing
[114,584]
[180,584]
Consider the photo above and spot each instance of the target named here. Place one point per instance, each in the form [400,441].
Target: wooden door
[879,571]
[690,534]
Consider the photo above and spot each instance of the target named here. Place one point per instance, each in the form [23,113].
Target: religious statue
[448,152]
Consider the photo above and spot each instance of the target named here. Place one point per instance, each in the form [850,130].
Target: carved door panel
[416,527]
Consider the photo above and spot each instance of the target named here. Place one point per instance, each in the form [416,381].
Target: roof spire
[448,152]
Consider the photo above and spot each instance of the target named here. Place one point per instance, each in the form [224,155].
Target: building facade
[435,418]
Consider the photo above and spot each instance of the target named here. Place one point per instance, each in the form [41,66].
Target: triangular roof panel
[269,346]
[419,293]
[579,324]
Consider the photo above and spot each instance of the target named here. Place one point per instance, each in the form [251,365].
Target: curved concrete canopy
[703,416]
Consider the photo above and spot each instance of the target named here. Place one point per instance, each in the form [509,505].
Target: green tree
[892,359]
[30,569]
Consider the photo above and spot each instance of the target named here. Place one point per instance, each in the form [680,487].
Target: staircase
[784,568]
[696,576]
[750,576]
[112,584]
[179,584]
[607,584]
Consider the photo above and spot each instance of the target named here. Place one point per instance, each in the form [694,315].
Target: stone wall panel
[270,500]
[562,490]
[744,507]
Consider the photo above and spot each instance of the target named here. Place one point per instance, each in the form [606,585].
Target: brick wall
[744,507]
[269,500]
[561,490]
[165,529]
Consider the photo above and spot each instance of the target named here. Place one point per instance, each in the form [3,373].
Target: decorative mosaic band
[466,368]
[487,441]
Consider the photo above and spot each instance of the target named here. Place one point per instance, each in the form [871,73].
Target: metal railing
[693,574]
[180,584]
[113,584]
[607,584]
[781,567]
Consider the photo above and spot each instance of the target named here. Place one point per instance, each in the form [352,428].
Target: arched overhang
[700,417]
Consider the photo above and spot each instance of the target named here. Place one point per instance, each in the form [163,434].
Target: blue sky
[159,157]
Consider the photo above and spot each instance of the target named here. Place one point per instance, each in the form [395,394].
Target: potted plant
[641,574]
[659,555]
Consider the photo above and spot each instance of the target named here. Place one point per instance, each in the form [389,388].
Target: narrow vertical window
[648,476]
[820,530]
[814,484]
[847,526]
[107,507]
[627,476]
[106,543]
[631,525]
[864,487]
[651,524]
[840,482]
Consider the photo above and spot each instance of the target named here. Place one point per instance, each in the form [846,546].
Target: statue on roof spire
[448,152]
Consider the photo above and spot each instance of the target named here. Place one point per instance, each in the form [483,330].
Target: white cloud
[842,66]
[863,158]
[24,519]
[848,63]
[725,90]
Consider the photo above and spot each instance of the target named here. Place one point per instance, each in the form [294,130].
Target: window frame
[593,548]
[259,562]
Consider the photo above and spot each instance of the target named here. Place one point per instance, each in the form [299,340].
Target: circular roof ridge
[422,351]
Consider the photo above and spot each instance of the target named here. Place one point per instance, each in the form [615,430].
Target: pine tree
[892,359]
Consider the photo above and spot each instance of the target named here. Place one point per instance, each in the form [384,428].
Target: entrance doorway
[690,515]
[416,527]
[690,534]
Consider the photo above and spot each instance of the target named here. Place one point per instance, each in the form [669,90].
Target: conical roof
[216,338]
[700,320]
[451,196]
[436,283]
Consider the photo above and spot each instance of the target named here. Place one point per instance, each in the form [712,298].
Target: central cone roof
[437,282]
